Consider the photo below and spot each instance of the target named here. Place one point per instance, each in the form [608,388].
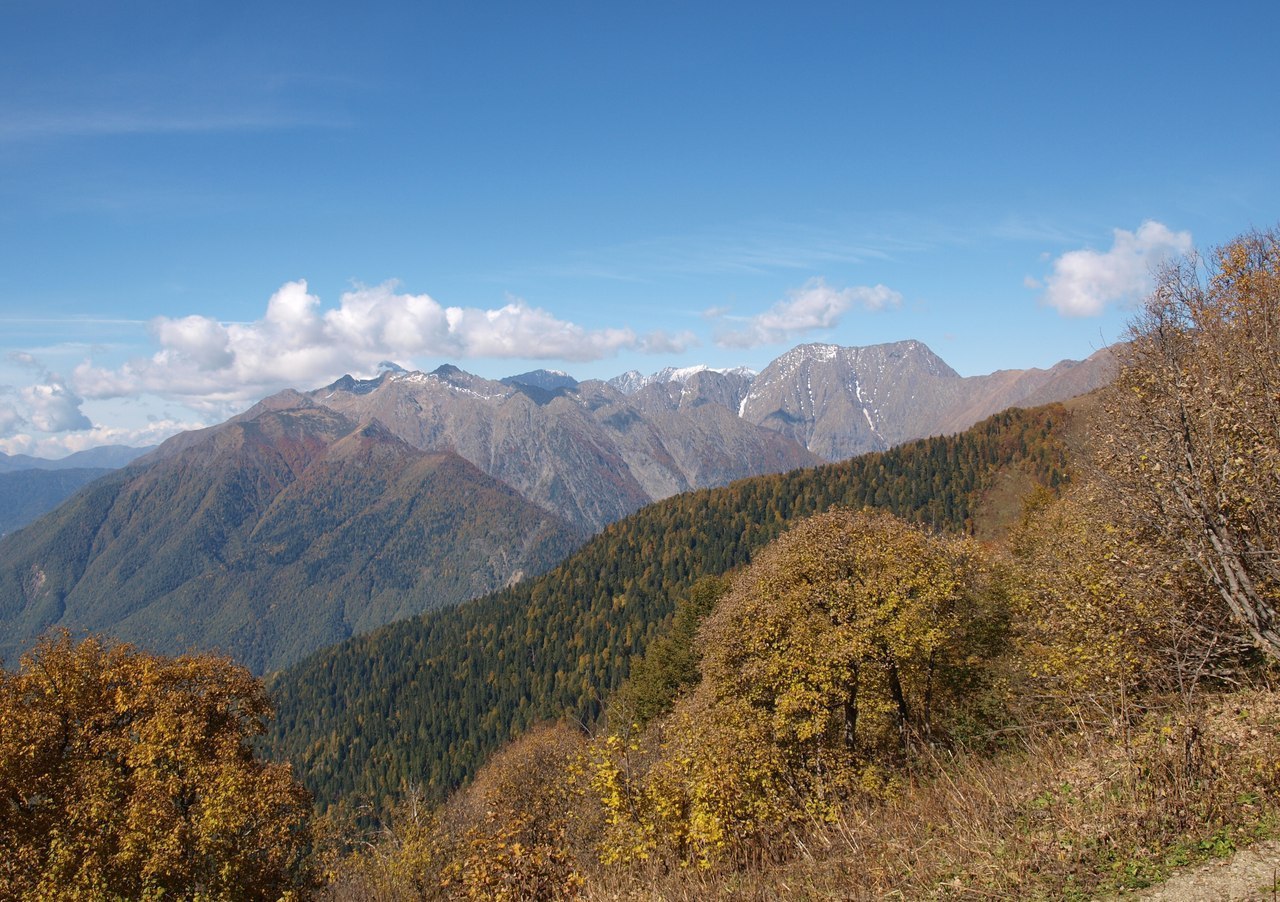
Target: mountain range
[586,451]
[593,452]
[318,515]
[104,457]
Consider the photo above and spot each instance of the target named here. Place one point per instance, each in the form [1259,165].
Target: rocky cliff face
[840,402]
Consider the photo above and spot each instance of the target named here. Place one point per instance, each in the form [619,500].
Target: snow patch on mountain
[633,381]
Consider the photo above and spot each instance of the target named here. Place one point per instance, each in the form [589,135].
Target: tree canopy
[1192,431]
[126,775]
[846,641]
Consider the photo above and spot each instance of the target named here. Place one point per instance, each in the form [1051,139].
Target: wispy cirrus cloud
[743,249]
[1086,282]
[34,126]
[813,306]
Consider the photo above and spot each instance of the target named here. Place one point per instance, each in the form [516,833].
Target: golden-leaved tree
[514,835]
[1103,613]
[1192,426]
[848,640]
[125,775]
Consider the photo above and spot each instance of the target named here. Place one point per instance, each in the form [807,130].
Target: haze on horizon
[201,204]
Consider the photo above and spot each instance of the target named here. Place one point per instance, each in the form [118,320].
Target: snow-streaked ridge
[633,381]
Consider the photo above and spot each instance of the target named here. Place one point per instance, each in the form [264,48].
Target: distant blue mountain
[106,457]
[28,494]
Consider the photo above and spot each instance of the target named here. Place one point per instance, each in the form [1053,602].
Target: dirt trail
[1250,874]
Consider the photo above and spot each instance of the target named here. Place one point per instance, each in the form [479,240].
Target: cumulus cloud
[208,364]
[47,404]
[53,407]
[815,305]
[203,341]
[10,420]
[1085,282]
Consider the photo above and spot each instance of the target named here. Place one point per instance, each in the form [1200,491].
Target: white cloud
[208,364]
[10,420]
[52,407]
[661,342]
[815,305]
[1085,282]
[47,404]
[55,446]
[203,341]
[518,330]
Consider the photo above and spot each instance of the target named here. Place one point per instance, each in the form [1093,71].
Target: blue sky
[201,203]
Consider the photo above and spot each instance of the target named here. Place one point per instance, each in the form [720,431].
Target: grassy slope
[1091,815]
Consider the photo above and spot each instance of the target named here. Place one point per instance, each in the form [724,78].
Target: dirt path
[1250,874]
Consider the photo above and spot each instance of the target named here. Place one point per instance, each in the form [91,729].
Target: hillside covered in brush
[427,700]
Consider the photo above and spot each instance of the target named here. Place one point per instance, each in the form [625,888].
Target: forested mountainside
[427,700]
[874,709]
[28,494]
[272,535]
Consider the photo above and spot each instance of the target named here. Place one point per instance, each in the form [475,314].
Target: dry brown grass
[1097,812]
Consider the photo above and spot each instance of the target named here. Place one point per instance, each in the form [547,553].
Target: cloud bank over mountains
[206,363]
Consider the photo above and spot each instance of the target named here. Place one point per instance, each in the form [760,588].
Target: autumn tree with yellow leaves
[125,775]
[1192,425]
[849,640]
[1103,614]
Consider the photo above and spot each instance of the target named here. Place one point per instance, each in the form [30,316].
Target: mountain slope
[28,494]
[425,701]
[593,452]
[583,450]
[839,402]
[278,532]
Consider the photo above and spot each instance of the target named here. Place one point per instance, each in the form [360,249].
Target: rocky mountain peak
[548,380]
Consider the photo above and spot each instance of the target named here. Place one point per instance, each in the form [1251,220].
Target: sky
[204,203]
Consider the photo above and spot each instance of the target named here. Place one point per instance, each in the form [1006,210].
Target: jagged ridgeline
[425,701]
